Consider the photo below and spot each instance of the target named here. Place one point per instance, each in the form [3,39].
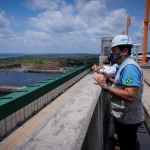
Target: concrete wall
[101,59]
[19,117]
[82,123]
[98,130]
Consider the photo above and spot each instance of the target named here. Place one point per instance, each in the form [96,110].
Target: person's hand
[95,67]
[101,80]
[105,75]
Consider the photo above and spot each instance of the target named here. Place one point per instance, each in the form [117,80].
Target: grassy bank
[50,62]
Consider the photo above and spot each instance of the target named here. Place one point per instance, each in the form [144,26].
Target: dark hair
[129,47]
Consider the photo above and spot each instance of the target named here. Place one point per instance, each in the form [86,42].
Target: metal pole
[128,24]
[146,21]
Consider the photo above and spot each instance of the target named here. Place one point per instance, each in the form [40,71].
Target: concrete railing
[81,124]
[100,125]
[17,107]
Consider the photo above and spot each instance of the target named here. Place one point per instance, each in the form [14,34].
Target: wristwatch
[106,87]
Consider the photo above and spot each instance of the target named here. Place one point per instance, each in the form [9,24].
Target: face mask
[114,58]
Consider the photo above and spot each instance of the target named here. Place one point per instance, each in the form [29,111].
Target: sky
[66,26]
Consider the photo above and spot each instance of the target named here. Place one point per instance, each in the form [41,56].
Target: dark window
[107,51]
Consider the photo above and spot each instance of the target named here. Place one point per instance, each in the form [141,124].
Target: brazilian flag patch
[129,80]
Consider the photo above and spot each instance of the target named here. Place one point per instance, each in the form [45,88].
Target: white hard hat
[121,40]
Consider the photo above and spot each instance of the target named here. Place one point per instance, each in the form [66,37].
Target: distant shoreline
[20,69]
[26,69]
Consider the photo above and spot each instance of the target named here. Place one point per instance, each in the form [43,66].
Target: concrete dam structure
[67,112]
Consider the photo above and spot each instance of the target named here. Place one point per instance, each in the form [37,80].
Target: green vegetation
[10,66]
[49,61]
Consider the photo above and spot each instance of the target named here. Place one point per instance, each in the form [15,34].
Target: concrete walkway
[143,135]
[146,93]
[146,103]
[146,72]
[143,138]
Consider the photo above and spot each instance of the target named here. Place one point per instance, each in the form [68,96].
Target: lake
[20,79]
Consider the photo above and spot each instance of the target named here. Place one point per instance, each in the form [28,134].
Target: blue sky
[66,26]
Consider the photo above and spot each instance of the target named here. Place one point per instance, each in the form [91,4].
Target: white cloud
[41,36]
[91,10]
[80,4]
[34,39]
[28,42]
[83,24]
[45,4]
[109,25]
[91,17]
[5,30]
[139,34]
[1,35]
[74,27]
[58,21]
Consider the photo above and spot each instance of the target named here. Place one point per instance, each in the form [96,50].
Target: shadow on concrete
[143,138]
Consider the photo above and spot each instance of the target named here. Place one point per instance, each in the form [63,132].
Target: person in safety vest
[126,90]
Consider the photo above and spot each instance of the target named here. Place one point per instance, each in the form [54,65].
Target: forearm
[123,94]
[127,93]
